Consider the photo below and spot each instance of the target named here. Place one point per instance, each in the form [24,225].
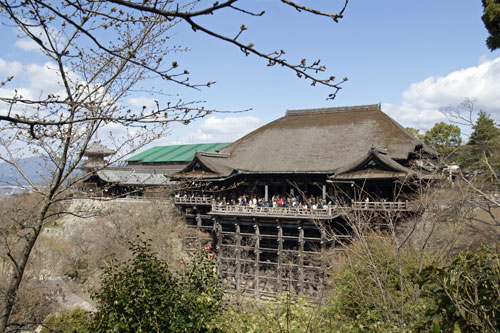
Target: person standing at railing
[366,203]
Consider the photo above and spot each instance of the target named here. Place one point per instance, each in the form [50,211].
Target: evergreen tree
[491,19]
[415,132]
[444,138]
[144,295]
[483,149]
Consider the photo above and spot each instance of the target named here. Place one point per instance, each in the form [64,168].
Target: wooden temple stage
[267,250]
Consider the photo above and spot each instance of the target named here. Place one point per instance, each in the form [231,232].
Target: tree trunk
[19,267]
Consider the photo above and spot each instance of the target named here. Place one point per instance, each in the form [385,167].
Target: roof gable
[206,165]
[376,164]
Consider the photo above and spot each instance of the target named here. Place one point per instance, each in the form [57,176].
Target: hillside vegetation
[75,247]
[439,271]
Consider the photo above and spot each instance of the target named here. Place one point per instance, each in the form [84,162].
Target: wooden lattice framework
[262,251]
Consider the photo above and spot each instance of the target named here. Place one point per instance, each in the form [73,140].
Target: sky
[413,56]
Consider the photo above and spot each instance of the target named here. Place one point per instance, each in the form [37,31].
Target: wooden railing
[326,212]
[219,209]
[381,206]
[193,200]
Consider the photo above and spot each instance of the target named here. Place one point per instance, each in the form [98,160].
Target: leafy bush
[67,322]
[367,290]
[282,314]
[143,295]
[466,292]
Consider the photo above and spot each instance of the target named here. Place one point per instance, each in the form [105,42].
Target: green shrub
[466,292]
[367,291]
[67,322]
[282,314]
[143,295]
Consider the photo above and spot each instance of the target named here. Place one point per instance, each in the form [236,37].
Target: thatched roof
[208,165]
[315,141]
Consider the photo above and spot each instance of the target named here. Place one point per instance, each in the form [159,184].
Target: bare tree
[481,156]
[100,54]
[401,230]
[59,126]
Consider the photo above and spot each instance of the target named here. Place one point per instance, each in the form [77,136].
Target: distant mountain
[33,167]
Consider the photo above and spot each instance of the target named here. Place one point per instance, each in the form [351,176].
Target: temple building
[280,194]
[144,174]
[308,150]
[95,156]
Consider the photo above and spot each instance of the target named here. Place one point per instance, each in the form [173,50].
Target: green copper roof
[175,153]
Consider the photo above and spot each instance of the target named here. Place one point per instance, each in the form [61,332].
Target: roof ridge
[367,107]
[203,153]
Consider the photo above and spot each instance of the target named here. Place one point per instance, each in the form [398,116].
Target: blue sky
[414,57]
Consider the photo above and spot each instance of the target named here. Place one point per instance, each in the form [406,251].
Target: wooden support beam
[323,260]
[238,256]
[198,219]
[214,234]
[219,246]
[280,256]
[301,258]
[257,261]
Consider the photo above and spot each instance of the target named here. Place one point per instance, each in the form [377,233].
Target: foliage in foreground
[143,295]
[285,313]
[368,293]
[67,322]
[466,293]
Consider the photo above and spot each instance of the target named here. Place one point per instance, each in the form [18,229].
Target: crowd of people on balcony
[279,201]
[276,201]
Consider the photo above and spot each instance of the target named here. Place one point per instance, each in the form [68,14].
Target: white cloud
[217,129]
[235,126]
[28,44]
[11,68]
[422,100]
[142,101]
[32,81]
[44,79]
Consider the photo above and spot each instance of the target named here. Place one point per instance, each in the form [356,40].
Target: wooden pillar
[257,260]
[323,259]
[215,233]
[301,259]
[280,256]
[238,257]
[266,193]
[198,219]
[219,247]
